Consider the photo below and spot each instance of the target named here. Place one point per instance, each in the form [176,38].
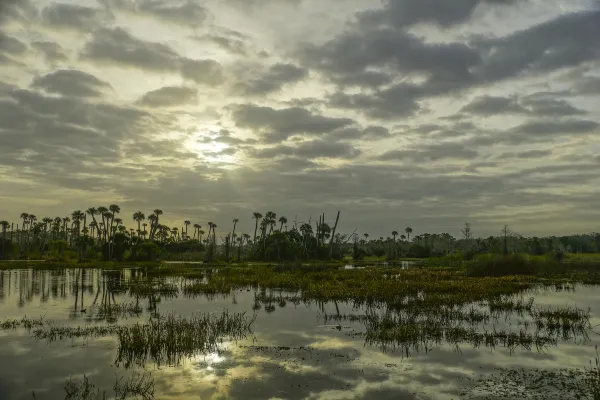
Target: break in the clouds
[397,112]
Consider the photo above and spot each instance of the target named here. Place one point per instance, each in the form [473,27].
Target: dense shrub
[514,264]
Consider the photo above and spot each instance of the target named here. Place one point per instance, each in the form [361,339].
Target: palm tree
[157,213]
[102,211]
[408,231]
[153,225]
[196,229]
[186,227]
[92,211]
[282,221]
[139,217]
[66,220]
[394,234]
[257,216]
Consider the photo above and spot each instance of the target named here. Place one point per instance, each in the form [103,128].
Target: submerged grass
[164,340]
[137,386]
[167,340]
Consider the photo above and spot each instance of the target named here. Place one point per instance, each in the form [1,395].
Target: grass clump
[137,386]
[167,340]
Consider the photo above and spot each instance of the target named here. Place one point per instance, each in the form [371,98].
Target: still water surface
[293,354]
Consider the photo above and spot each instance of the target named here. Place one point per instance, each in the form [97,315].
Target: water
[293,354]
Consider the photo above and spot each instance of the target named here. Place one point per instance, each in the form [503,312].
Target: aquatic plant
[137,386]
[171,338]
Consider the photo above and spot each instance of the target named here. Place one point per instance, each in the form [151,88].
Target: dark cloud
[52,52]
[404,13]
[277,125]
[432,152]
[71,83]
[273,79]
[11,45]
[187,12]
[71,16]
[544,106]
[21,11]
[207,72]
[372,132]
[230,44]
[490,105]
[562,127]
[447,66]
[119,47]
[169,96]
[531,105]
[529,154]
[565,41]
[396,102]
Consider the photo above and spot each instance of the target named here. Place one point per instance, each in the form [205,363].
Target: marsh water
[298,350]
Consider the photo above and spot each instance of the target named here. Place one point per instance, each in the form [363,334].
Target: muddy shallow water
[294,353]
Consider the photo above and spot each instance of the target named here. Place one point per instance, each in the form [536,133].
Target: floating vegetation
[52,333]
[136,386]
[25,322]
[167,340]
[537,384]
[405,333]
[507,304]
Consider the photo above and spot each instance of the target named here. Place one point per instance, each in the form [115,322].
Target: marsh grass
[152,288]
[168,339]
[137,386]
[25,322]
[393,332]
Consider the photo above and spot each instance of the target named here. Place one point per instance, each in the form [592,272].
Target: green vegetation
[164,340]
[168,340]
[137,386]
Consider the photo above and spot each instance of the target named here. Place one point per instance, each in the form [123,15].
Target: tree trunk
[333,235]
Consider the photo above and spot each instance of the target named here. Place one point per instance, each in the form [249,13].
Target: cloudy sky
[425,113]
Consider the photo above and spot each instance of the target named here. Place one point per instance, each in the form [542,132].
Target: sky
[421,113]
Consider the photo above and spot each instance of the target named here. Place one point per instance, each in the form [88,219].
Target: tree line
[101,233]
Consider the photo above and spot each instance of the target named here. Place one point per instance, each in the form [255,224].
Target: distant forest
[101,234]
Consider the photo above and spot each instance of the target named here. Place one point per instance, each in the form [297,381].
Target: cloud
[119,47]
[169,96]
[530,105]
[490,105]
[561,127]
[207,72]
[11,45]
[71,83]
[277,125]
[273,79]
[565,41]
[405,13]
[310,150]
[372,132]
[187,13]
[396,102]
[52,52]
[231,44]
[433,152]
[71,16]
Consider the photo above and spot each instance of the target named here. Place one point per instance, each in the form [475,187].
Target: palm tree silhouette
[282,220]
[139,217]
[256,216]
[408,231]
[186,223]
